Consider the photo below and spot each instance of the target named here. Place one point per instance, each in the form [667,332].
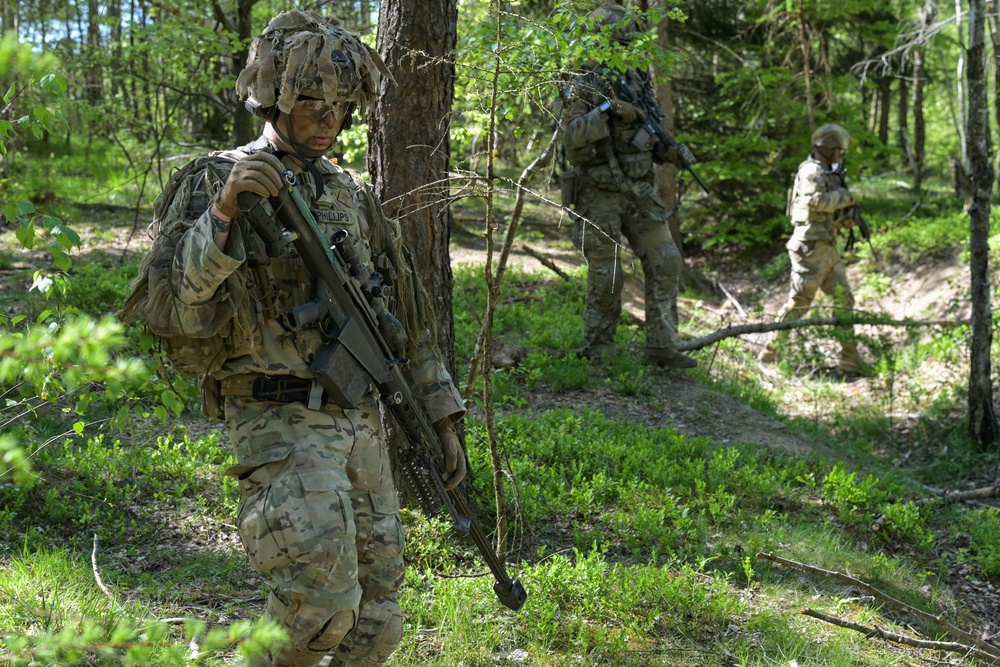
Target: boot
[768,355]
[850,360]
[668,358]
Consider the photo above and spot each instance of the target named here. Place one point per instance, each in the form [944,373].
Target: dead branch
[546,262]
[939,620]
[97,574]
[952,647]
[947,497]
[764,327]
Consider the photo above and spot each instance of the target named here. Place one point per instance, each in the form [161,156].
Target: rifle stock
[363,346]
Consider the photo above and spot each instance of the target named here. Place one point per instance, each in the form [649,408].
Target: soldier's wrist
[221,223]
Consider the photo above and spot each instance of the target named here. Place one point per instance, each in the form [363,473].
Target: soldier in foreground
[318,512]
[610,188]
[820,206]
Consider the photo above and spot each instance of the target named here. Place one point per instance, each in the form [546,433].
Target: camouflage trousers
[816,265]
[603,218]
[319,515]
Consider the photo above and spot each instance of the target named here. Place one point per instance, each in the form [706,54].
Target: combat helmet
[613,14]
[306,55]
[831,135]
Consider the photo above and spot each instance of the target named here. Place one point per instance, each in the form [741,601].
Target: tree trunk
[666,174]
[918,146]
[10,16]
[95,75]
[408,143]
[884,108]
[993,11]
[245,125]
[806,46]
[960,84]
[982,420]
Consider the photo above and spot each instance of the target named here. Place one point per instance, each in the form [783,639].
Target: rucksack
[201,346]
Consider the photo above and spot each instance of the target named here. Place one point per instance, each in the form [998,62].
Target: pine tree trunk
[409,149]
[982,420]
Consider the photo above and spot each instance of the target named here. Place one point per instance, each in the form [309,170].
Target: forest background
[626,561]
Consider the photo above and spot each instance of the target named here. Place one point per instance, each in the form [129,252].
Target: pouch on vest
[568,182]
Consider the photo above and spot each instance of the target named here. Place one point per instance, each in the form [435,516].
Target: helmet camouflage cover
[609,15]
[304,54]
[831,135]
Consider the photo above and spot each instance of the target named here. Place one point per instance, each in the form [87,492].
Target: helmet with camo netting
[305,55]
[831,135]
[612,15]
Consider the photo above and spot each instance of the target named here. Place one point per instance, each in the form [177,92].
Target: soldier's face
[315,124]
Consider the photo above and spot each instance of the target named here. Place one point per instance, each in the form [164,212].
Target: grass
[637,544]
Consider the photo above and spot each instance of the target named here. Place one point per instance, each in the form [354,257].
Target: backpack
[196,339]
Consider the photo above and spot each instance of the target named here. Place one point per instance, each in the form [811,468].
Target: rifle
[859,220]
[641,96]
[363,345]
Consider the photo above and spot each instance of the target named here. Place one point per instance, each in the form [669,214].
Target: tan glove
[454,457]
[259,173]
[624,110]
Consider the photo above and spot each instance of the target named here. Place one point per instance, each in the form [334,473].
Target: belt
[288,389]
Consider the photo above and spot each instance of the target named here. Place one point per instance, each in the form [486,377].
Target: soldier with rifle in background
[276,274]
[613,138]
[820,206]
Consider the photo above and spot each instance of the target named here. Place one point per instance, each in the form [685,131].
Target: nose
[328,119]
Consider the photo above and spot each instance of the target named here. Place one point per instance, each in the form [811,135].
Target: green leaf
[25,208]
[42,316]
[78,427]
[61,260]
[26,234]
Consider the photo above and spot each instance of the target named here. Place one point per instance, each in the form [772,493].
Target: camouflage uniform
[318,511]
[613,197]
[819,208]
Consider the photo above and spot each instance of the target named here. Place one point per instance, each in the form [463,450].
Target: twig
[729,296]
[97,575]
[953,647]
[947,497]
[888,599]
[548,263]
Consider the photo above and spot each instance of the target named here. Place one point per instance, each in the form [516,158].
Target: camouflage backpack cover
[201,348]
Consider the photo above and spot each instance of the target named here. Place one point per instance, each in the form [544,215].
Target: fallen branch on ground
[546,262]
[947,497]
[977,645]
[952,647]
[765,327]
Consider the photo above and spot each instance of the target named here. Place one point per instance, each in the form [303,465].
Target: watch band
[219,226]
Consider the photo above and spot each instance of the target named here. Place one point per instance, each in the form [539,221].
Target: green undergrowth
[637,544]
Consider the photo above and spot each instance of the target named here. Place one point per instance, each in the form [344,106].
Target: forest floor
[936,288]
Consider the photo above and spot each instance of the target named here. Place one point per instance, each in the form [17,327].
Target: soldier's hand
[624,110]
[454,457]
[259,173]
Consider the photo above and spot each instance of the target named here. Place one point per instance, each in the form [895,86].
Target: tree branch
[939,620]
[764,327]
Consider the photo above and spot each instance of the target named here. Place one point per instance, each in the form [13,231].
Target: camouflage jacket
[820,204]
[264,343]
[594,141]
